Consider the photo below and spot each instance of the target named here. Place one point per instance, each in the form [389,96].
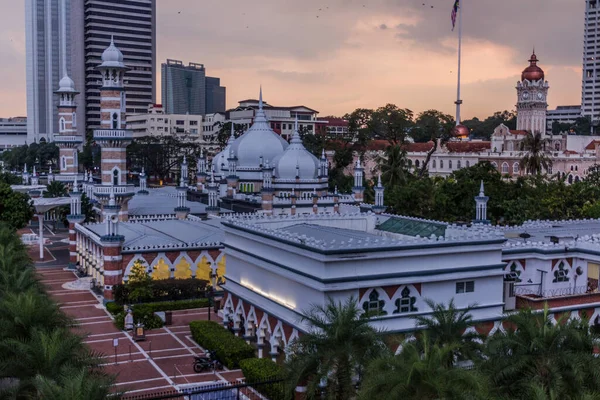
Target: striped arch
[203,266]
[497,327]
[295,335]
[161,267]
[251,317]
[130,265]
[183,267]
[278,333]
[239,309]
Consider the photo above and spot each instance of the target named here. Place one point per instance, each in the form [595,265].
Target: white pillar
[41,220]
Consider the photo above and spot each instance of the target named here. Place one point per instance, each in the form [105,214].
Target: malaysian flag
[454,12]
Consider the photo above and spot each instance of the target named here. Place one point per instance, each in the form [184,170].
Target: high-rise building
[132,25]
[48,33]
[187,89]
[215,96]
[590,95]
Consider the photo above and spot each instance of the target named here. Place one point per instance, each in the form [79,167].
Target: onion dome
[461,132]
[66,85]
[221,160]
[296,161]
[533,72]
[112,56]
[258,141]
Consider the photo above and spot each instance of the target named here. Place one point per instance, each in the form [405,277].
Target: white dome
[221,159]
[112,56]
[296,161]
[258,141]
[66,84]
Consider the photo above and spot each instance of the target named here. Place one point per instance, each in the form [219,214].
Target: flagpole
[458,100]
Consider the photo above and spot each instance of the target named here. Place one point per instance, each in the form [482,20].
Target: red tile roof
[518,132]
[468,147]
[592,145]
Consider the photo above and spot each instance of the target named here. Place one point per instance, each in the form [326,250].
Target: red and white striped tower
[112,243]
[75,217]
[112,136]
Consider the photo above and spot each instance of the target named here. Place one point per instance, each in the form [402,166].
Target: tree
[393,166]
[87,209]
[534,355]
[16,208]
[9,179]
[434,125]
[447,327]
[89,157]
[536,158]
[56,189]
[224,133]
[337,348]
[420,372]
[139,282]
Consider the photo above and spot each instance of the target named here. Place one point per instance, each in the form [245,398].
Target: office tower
[215,96]
[48,42]
[132,25]
[183,88]
[590,95]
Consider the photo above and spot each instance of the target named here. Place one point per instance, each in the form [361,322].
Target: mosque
[302,245]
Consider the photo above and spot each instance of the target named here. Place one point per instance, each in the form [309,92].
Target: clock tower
[532,92]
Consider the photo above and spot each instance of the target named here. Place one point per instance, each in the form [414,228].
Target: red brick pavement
[160,363]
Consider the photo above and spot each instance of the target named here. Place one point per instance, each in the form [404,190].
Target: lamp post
[209,295]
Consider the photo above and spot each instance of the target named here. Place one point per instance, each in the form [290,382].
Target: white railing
[108,189]
[113,134]
[70,138]
[534,290]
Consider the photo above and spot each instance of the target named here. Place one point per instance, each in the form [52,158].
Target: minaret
[182,210]
[213,195]
[35,179]
[232,178]
[112,244]
[379,207]
[358,188]
[143,183]
[67,140]
[25,175]
[323,166]
[201,174]
[112,135]
[267,190]
[50,175]
[75,217]
[532,93]
[481,207]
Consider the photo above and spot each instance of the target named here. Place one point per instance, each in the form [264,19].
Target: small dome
[296,161]
[112,56]
[533,72]
[461,132]
[66,84]
[220,160]
[258,141]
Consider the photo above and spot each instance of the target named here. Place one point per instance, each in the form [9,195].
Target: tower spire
[260,99]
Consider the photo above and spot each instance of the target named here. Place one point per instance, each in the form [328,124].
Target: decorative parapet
[172,247]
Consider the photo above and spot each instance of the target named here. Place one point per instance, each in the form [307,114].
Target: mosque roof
[162,201]
[296,160]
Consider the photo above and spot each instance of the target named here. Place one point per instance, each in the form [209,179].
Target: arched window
[468,164]
[74,119]
[577,179]
[409,163]
[116,176]
[577,168]
[495,165]
[115,121]
[61,125]
[516,168]
[416,163]
[450,164]
[570,178]
[441,164]
[458,164]
[63,162]
[550,169]
[505,168]
[571,167]
[434,163]
[557,146]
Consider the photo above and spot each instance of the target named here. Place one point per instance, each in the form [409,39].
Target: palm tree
[75,384]
[536,357]
[420,372]
[393,166]
[447,327]
[536,158]
[56,189]
[335,350]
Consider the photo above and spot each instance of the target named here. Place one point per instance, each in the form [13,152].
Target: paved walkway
[161,363]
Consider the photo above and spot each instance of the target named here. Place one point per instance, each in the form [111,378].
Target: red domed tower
[532,91]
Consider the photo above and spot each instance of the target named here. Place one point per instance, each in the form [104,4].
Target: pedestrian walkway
[160,363]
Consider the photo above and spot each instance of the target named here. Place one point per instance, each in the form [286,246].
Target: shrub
[164,290]
[114,308]
[145,315]
[229,349]
[175,305]
[263,369]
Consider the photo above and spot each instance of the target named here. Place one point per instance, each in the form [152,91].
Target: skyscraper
[590,96]
[187,89]
[132,24]
[48,41]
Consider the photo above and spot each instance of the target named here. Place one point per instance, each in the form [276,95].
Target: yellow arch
[161,270]
[221,268]
[182,269]
[203,271]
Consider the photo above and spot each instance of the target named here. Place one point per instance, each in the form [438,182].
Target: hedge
[175,305]
[229,349]
[166,290]
[263,369]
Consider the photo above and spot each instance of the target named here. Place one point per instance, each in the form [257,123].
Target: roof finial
[379,180]
[296,135]
[112,40]
[481,193]
[260,99]
[232,136]
[75,185]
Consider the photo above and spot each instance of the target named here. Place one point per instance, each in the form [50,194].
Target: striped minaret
[67,139]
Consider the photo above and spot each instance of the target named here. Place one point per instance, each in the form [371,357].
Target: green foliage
[40,356]
[56,189]
[43,155]
[230,350]
[87,209]
[10,179]
[536,159]
[393,166]
[163,290]
[114,308]
[224,133]
[484,129]
[15,208]
[139,282]
[338,346]
[260,370]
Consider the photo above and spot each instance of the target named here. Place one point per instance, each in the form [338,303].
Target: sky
[339,55]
